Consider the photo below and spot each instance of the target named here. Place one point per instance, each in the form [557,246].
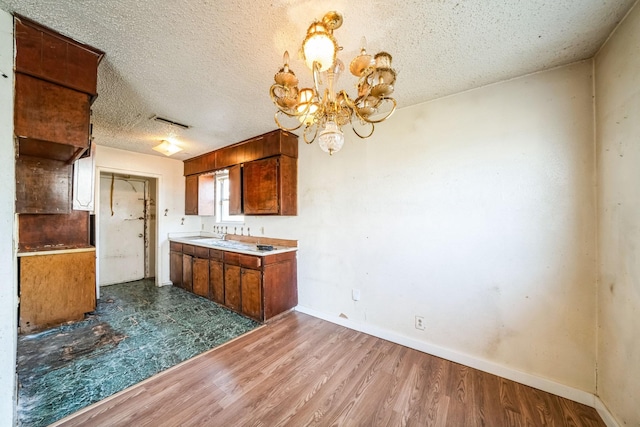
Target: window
[222,199]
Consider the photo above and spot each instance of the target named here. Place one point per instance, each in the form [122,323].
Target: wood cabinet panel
[175,267]
[270,186]
[235,190]
[216,254]
[201,276]
[56,288]
[232,289]
[252,293]
[39,231]
[260,187]
[216,281]
[175,246]
[191,195]
[48,112]
[43,186]
[288,185]
[187,272]
[206,194]
[189,249]
[48,55]
[280,287]
[199,195]
[200,164]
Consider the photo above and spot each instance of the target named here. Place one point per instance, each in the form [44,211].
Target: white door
[122,229]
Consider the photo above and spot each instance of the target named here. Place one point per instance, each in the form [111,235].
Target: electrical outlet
[355,294]
[420,323]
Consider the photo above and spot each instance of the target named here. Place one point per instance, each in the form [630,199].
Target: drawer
[216,254]
[175,246]
[285,256]
[247,261]
[250,261]
[202,252]
[188,249]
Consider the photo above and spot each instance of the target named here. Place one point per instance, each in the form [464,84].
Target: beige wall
[617,67]
[8,289]
[474,211]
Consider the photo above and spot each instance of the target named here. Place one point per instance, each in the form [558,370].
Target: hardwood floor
[300,371]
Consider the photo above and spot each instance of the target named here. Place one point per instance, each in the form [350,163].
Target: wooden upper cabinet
[199,197]
[263,175]
[51,113]
[269,186]
[191,195]
[200,164]
[235,190]
[260,187]
[48,55]
[55,84]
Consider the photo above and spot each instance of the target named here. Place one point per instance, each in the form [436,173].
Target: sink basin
[229,244]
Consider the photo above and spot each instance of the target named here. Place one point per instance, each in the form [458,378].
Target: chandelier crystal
[322,109]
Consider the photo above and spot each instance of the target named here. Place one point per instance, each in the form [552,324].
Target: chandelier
[322,109]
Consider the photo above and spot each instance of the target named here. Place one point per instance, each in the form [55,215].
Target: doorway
[126,238]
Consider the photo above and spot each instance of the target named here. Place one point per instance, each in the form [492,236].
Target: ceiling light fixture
[324,112]
[167,148]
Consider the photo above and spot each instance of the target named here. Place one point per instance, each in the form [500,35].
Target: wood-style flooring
[300,371]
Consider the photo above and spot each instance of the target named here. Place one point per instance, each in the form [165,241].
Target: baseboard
[534,381]
[604,413]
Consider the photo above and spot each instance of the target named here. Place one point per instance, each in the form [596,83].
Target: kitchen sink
[228,244]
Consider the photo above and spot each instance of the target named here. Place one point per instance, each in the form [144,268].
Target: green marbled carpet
[136,331]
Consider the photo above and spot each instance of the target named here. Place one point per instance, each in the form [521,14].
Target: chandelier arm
[281,126]
[274,98]
[386,116]
[316,77]
[315,133]
[365,136]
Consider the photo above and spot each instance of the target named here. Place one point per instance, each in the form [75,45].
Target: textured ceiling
[209,64]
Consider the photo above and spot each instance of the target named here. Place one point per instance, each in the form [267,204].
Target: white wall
[9,288]
[475,211]
[618,156]
[170,194]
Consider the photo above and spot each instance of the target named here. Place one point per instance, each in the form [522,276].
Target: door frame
[96,211]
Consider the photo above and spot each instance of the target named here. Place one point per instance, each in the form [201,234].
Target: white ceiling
[209,64]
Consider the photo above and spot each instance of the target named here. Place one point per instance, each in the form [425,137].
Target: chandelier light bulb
[319,47]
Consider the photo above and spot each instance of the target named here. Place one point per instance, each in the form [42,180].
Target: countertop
[230,245]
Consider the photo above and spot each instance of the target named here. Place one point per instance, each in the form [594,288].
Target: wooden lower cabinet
[201,277]
[251,285]
[56,288]
[216,281]
[259,287]
[175,264]
[187,272]
[232,287]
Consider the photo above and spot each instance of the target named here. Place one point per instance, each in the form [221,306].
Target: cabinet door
[191,195]
[235,190]
[201,277]
[47,112]
[232,298]
[216,281]
[252,293]
[175,268]
[260,187]
[187,272]
[206,194]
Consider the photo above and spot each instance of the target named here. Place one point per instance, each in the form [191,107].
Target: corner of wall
[8,262]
